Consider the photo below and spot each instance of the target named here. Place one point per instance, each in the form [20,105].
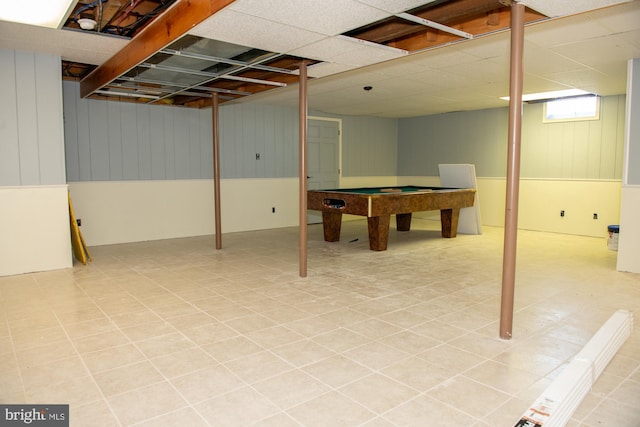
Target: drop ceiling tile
[619,19]
[397,6]
[443,57]
[545,61]
[346,51]
[440,79]
[555,8]
[89,48]
[365,55]
[248,30]
[328,17]
[493,46]
[323,69]
[582,79]
[397,68]
[564,31]
[603,49]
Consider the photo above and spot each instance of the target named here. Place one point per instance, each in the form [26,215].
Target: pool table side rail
[372,205]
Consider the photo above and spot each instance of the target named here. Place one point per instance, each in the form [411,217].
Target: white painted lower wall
[133,211]
[34,229]
[629,239]
[119,212]
[540,203]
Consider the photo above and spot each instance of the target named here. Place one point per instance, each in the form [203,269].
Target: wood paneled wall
[567,150]
[31,135]
[119,141]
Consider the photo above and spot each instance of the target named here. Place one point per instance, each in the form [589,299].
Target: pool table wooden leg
[449,220]
[331,224]
[378,232]
[403,222]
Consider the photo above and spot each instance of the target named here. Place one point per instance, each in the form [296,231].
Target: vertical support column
[216,168]
[303,169]
[513,171]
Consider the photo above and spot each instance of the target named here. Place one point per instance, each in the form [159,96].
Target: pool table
[379,203]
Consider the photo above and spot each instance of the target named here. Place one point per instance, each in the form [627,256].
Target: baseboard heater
[558,402]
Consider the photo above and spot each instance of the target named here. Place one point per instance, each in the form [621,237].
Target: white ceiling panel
[601,50]
[555,8]
[347,51]
[323,69]
[444,57]
[618,19]
[396,6]
[76,46]
[328,17]
[560,32]
[248,30]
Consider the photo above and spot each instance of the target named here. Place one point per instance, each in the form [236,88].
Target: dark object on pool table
[378,206]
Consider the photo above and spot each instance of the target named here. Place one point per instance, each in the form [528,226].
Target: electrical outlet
[562,213]
[257,156]
[78,222]
[595,216]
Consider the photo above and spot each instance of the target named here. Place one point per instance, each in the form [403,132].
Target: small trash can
[614,233]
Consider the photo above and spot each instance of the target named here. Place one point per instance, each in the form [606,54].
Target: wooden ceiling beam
[171,25]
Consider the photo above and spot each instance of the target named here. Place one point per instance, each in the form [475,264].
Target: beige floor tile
[240,407]
[613,413]
[94,414]
[337,370]
[181,418]
[409,342]
[28,340]
[207,383]
[183,362]
[251,323]
[144,403]
[426,411]
[374,328]
[439,330]
[378,393]
[412,319]
[340,340]
[302,353]
[331,409]
[126,378]
[258,366]
[164,344]
[451,360]
[469,396]
[74,390]
[100,341]
[501,377]
[232,348]
[209,333]
[376,355]
[291,388]
[416,372]
[113,357]
[278,420]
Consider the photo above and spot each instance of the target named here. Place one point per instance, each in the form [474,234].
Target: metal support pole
[216,168]
[513,171]
[303,169]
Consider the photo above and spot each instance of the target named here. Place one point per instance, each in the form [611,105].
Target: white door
[323,158]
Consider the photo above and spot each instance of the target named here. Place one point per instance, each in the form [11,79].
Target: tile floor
[175,333]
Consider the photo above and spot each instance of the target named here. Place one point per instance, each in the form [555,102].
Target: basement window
[572,109]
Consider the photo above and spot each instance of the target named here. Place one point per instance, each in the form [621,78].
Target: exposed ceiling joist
[175,22]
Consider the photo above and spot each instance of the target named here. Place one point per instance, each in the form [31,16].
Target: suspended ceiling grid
[352,34]
[588,49]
